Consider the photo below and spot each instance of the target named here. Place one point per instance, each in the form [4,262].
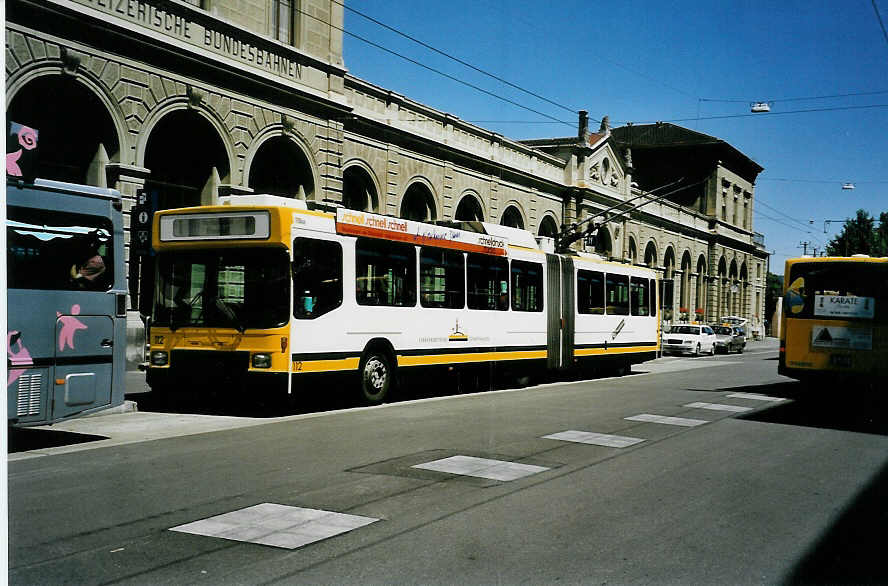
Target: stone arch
[684,297]
[702,293]
[470,208]
[650,254]
[418,202]
[604,244]
[632,256]
[722,284]
[513,216]
[157,115]
[74,116]
[548,226]
[184,174]
[281,163]
[360,187]
[669,262]
[280,167]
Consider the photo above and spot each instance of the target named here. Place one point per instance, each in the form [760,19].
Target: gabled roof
[667,135]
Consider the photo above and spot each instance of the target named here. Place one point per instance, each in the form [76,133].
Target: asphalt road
[793,491]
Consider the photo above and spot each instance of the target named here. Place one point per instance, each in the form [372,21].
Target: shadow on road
[26,439]
[853,550]
[839,409]
[330,392]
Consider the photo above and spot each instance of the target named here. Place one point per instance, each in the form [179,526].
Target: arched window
[548,227]
[281,168]
[184,153]
[418,203]
[469,209]
[512,217]
[358,190]
[72,125]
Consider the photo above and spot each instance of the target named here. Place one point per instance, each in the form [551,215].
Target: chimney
[605,126]
[583,130]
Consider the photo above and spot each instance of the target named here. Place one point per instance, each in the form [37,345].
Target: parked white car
[689,339]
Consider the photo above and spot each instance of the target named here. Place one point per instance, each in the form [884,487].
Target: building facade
[189,100]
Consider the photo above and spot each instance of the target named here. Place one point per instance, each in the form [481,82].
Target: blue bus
[66,301]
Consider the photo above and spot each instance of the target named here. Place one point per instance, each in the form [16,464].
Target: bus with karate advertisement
[835,320]
[263,294]
[66,301]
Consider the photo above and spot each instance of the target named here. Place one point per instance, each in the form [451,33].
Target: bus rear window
[848,291]
[53,250]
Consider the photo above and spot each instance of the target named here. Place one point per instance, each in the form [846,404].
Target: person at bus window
[88,274]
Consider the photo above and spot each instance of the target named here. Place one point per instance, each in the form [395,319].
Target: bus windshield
[230,288]
[842,290]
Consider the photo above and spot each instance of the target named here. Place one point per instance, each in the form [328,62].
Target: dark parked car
[728,339]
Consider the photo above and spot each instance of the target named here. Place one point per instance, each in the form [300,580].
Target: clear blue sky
[647,61]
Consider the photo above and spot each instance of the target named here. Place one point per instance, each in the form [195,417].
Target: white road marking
[648,418]
[482,468]
[276,525]
[719,407]
[756,397]
[597,439]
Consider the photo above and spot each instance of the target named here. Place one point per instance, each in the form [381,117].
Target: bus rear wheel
[376,377]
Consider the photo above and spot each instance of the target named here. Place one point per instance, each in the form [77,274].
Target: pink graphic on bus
[17,356]
[70,325]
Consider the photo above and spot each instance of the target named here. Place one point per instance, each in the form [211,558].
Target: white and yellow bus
[261,292]
[835,320]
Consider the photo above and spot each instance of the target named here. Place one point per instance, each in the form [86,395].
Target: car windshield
[684,330]
[723,330]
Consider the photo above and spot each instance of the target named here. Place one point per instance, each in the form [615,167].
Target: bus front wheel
[376,377]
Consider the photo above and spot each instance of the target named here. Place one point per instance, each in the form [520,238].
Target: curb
[126,407]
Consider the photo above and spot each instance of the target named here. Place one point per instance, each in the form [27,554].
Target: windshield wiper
[225,310]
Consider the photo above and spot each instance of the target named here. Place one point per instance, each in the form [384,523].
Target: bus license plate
[842,360]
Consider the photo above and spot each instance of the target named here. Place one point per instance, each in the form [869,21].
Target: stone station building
[189,100]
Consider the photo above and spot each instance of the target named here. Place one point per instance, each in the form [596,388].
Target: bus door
[83,362]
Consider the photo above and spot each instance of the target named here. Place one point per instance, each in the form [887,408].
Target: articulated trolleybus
[261,292]
[66,297]
[835,320]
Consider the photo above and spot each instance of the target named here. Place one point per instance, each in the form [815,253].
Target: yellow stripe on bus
[462,358]
[326,365]
[621,350]
[457,358]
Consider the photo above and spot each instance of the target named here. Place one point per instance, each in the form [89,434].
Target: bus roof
[832,259]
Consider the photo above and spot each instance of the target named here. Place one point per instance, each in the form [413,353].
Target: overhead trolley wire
[433,70]
[765,114]
[770,100]
[457,59]
[785,215]
[881,23]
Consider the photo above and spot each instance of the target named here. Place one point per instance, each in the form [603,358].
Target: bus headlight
[159,358]
[261,360]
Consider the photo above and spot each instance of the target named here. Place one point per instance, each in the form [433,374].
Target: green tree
[882,235]
[858,236]
[773,293]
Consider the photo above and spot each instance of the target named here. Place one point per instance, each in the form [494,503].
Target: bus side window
[617,294]
[652,284]
[590,292]
[441,278]
[639,295]
[385,273]
[527,286]
[317,277]
[487,282]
